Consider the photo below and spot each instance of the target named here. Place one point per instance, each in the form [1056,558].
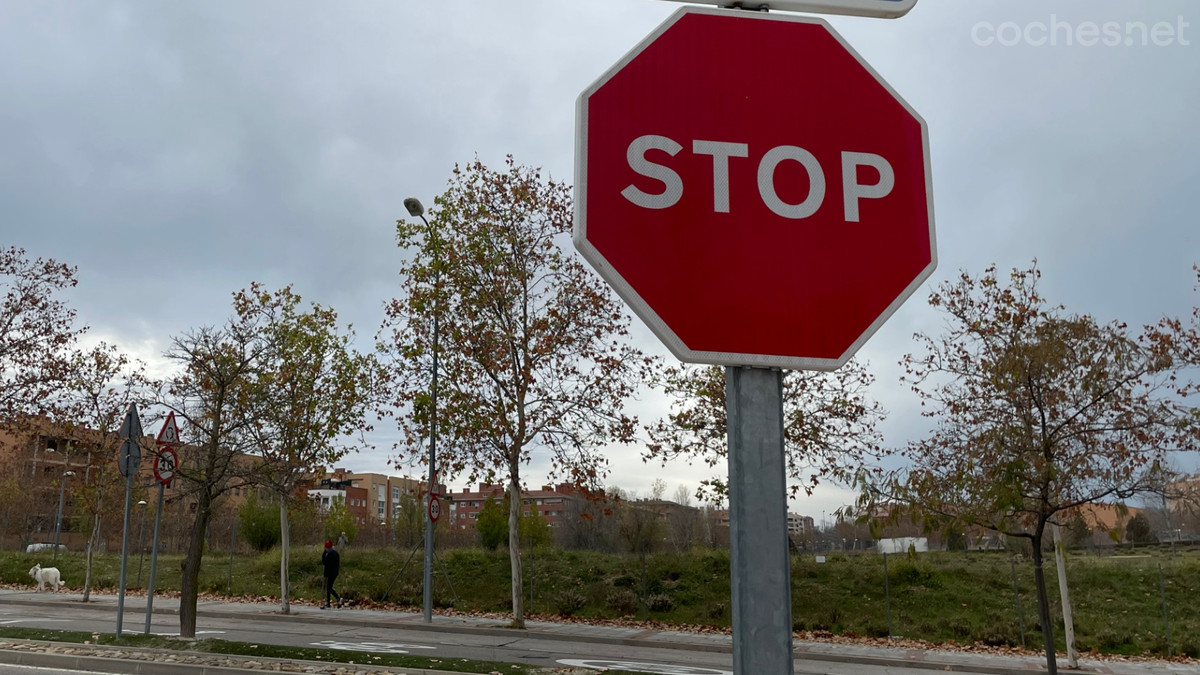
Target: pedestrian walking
[332,563]
[342,540]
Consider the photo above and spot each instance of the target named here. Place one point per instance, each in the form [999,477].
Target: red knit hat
[328,544]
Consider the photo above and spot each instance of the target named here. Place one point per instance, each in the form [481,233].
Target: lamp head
[68,473]
[415,209]
[141,502]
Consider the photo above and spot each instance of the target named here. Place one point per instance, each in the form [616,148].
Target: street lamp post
[62,486]
[141,540]
[417,210]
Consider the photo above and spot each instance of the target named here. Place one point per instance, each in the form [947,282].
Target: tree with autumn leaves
[104,383]
[265,399]
[313,394]
[37,333]
[829,425]
[534,352]
[46,379]
[213,397]
[1036,412]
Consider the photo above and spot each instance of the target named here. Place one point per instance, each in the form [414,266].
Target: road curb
[137,666]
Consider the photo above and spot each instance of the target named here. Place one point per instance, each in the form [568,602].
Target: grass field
[937,597]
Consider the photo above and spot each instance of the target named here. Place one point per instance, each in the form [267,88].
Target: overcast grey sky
[177,151]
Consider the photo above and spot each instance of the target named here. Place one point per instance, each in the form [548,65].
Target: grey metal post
[154,558]
[1017,601]
[124,551]
[1162,592]
[417,210]
[62,486]
[141,541]
[232,536]
[761,579]
[644,611]
[428,597]
[887,594]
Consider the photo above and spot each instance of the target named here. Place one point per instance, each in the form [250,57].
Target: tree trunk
[189,584]
[286,545]
[514,548]
[1039,579]
[93,542]
[1060,562]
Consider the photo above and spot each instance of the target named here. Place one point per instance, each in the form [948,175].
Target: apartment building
[382,494]
[552,502]
[327,490]
[801,526]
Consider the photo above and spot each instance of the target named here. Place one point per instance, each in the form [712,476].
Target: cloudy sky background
[176,152]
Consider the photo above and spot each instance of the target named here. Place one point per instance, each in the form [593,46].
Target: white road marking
[382,647]
[661,668]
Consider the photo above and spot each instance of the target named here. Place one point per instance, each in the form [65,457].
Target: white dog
[45,576]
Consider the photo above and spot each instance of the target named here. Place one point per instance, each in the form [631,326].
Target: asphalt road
[346,629]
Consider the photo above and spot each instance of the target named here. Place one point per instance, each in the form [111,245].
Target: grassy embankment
[938,597]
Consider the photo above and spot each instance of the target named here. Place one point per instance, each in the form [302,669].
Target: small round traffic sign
[164,465]
[435,508]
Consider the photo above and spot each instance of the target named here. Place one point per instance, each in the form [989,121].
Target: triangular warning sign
[170,432]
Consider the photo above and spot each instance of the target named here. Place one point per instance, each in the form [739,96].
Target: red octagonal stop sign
[753,189]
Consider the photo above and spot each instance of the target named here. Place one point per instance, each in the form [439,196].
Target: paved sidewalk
[617,635]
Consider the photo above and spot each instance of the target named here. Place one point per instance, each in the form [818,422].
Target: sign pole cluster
[762,199]
[165,463]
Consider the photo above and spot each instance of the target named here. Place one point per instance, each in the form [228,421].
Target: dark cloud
[178,151]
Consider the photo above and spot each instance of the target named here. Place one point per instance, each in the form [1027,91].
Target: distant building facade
[551,502]
[381,495]
[802,526]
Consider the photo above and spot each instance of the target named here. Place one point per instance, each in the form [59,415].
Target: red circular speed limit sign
[164,465]
[435,508]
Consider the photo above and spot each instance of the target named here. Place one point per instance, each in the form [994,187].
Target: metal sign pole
[124,553]
[154,558]
[759,565]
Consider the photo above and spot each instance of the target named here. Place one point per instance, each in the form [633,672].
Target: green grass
[968,598]
[937,597]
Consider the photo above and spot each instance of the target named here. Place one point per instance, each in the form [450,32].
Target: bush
[1138,531]
[915,574]
[660,602]
[622,600]
[1113,642]
[492,525]
[258,523]
[624,581]
[568,602]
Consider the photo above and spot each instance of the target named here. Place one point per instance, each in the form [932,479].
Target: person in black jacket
[331,561]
